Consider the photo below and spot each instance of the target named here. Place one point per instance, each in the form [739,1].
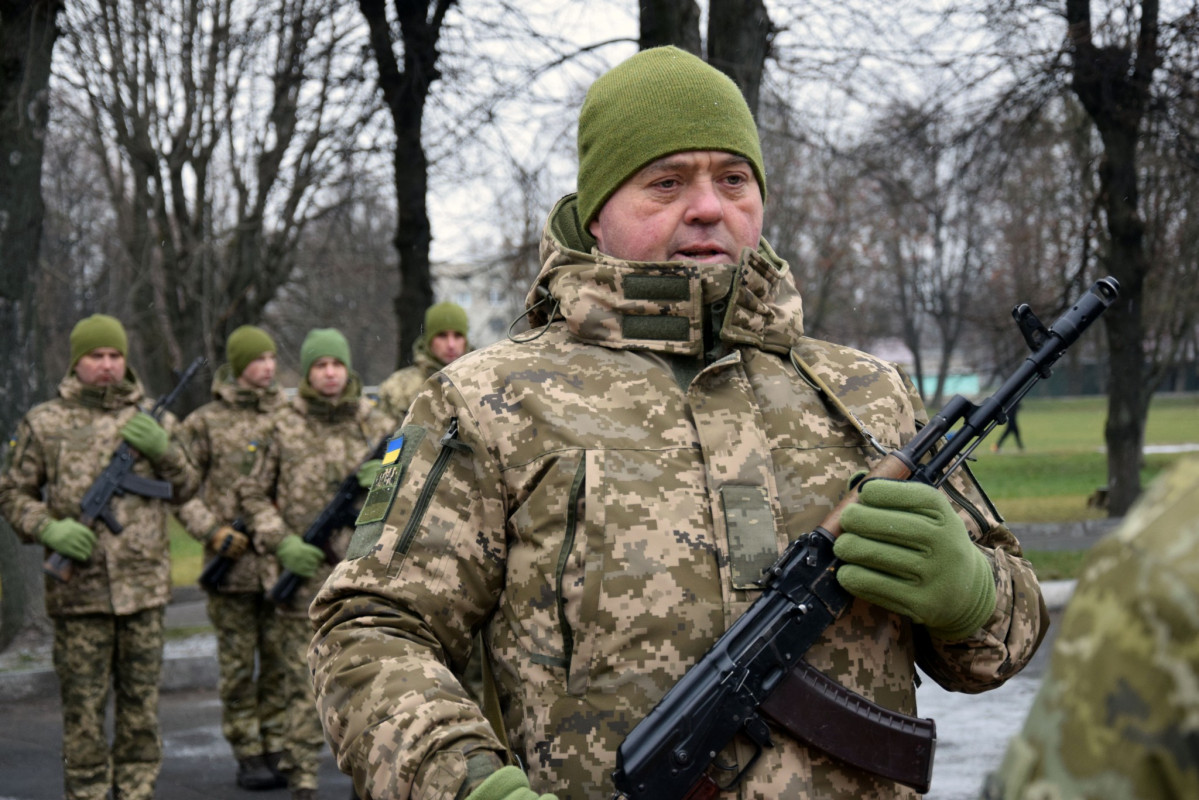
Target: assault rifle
[117,478]
[339,513]
[215,570]
[756,668]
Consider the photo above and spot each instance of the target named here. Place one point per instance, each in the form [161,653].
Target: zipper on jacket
[568,542]
[448,441]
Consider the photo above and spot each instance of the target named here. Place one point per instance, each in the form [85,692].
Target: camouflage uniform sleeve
[21,485]
[1117,715]
[255,491]
[394,616]
[177,466]
[196,516]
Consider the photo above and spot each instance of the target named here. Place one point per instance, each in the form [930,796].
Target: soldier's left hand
[229,542]
[508,783]
[906,550]
[368,471]
[145,434]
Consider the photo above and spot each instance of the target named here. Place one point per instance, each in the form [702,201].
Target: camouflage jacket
[588,495]
[1117,715]
[311,446]
[396,393]
[61,447]
[224,436]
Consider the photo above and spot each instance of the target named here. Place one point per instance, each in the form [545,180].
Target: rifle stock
[118,478]
[339,512]
[729,690]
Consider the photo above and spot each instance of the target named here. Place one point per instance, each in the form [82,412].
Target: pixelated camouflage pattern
[579,518]
[396,393]
[61,447]
[223,437]
[1117,715]
[94,654]
[301,756]
[253,667]
[312,445]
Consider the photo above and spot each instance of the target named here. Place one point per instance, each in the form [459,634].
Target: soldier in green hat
[314,442]
[445,338]
[224,435]
[598,498]
[108,619]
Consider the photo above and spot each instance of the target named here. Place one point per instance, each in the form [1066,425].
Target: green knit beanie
[661,101]
[246,344]
[322,342]
[444,317]
[98,330]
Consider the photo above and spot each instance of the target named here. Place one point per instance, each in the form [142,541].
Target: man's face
[702,205]
[104,366]
[447,345]
[259,373]
[328,376]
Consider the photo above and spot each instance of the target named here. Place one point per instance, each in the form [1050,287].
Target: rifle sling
[825,715]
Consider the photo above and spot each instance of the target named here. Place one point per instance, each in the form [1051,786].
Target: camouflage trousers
[252,673]
[93,652]
[305,735]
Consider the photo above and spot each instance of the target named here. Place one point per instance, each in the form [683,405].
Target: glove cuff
[502,783]
[976,614]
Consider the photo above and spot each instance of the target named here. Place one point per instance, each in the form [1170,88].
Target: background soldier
[223,437]
[600,498]
[444,340]
[316,440]
[108,619]
[1117,715]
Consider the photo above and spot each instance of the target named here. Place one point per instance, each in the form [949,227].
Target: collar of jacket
[634,305]
[317,406]
[226,388]
[109,398]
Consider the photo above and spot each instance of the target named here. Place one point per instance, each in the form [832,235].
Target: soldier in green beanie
[223,436]
[592,504]
[311,444]
[444,340]
[108,619]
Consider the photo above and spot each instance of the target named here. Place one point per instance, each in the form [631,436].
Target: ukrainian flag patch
[392,453]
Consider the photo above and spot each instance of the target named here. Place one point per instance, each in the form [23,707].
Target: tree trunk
[739,37]
[673,22]
[27,36]
[1113,84]
[406,91]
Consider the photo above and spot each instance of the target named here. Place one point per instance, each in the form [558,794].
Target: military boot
[255,774]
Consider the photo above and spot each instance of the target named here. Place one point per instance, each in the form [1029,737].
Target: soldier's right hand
[70,537]
[228,542]
[297,556]
[508,783]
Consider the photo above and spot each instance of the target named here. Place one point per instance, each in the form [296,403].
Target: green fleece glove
[146,435]
[368,471]
[906,550]
[508,783]
[70,537]
[297,556]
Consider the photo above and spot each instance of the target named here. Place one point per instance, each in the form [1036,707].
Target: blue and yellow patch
[392,453]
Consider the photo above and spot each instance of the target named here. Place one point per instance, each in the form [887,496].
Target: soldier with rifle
[223,436]
[602,496]
[321,436]
[108,617]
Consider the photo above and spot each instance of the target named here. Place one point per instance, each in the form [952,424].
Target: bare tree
[673,22]
[406,92]
[28,31]
[216,125]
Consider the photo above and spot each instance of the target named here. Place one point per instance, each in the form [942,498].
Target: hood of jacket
[109,398]
[661,306]
[226,389]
